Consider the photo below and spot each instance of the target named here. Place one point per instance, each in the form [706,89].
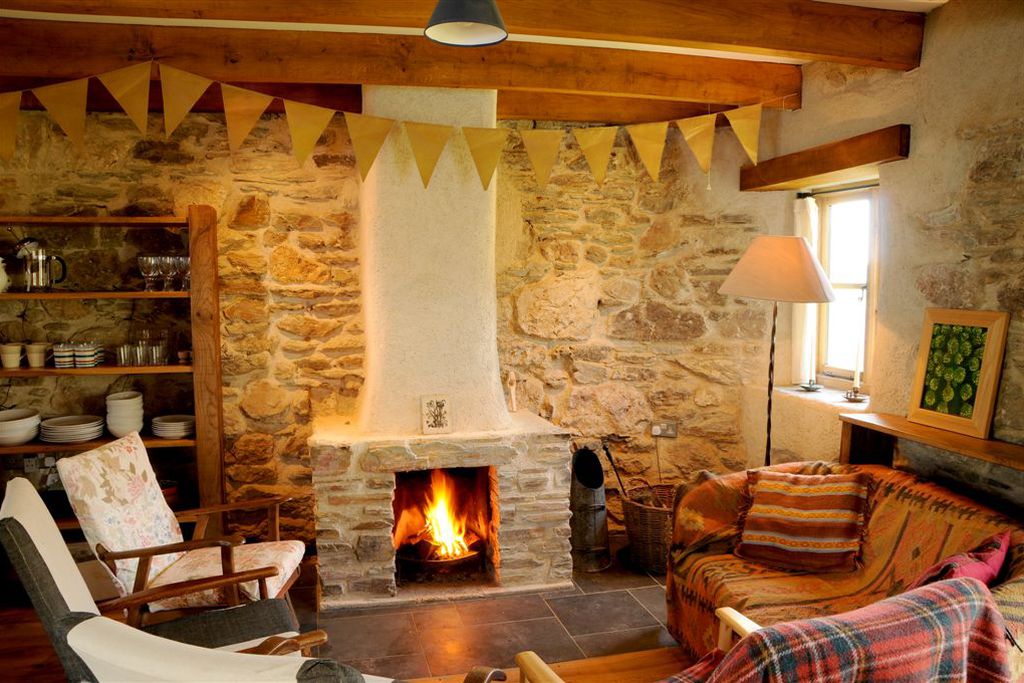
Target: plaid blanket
[946,631]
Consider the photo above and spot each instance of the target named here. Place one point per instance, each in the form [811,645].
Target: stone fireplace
[429,303]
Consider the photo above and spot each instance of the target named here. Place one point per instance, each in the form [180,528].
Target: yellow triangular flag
[368,134]
[66,104]
[427,141]
[649,140]
[699,132]
[130,87]
[542,148]
[180,91]
[10,103]
[306,123]
[596,144]
[746,123]
[242,109]
[486,146]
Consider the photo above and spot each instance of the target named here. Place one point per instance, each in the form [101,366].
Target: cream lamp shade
[779,268]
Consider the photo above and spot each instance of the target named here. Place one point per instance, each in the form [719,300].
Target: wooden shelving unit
[99,370]
[870,438]
[37,447]
[66,296]
[201,224]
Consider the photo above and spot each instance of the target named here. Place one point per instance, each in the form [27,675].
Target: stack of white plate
[124,413]
[174,426]
[18,426]
[71,429]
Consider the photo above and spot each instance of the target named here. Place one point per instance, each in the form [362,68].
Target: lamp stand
[771,384]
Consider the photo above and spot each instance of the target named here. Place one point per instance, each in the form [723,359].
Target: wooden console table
[870,439]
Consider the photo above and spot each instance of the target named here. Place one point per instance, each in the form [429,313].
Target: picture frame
[959,362]
[436,414]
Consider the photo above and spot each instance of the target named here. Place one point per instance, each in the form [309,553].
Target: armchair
[115,495]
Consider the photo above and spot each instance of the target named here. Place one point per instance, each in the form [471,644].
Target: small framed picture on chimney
[436,414]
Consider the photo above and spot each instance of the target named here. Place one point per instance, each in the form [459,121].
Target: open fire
[442,518]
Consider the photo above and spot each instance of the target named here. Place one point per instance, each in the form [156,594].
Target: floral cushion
[115,495]
[205,562]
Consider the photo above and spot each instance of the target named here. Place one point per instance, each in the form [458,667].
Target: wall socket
[665,430]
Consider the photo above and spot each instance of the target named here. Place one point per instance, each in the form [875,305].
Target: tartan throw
[946,631]
[804,522]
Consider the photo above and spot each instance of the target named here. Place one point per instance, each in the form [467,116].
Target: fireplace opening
[445,525]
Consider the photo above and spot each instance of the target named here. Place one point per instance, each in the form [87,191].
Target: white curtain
[805,316]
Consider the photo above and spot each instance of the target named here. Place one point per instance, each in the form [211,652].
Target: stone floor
[611,612]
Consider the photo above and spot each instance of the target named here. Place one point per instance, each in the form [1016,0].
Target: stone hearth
[354,481]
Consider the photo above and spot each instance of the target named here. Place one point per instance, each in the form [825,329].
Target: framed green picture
[958,366]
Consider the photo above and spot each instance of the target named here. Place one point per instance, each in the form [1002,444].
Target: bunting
[368,134]
[181,90]
[596,144]
[242,109]
[699,133]
[10,102]
[428,141]
[542,148]
[746,123]
[649,140]
[485,146]
[66,104]
[130,87]
[306,123]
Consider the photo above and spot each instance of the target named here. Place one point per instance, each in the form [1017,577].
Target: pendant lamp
[466,23]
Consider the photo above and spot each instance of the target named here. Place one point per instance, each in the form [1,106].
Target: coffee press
[39,265]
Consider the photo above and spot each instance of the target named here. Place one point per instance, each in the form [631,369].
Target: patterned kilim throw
[804,522]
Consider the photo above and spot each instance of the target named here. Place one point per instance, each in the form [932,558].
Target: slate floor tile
[601,612]
[446,616]
[457,650]
[653,598]
[618,642]
[369,637]
[400,666]
[497,610]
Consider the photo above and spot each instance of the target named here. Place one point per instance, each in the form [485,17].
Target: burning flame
[444,531]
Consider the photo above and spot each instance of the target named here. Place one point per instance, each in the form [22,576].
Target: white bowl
[18,438]
[125,413]
[124,430]
[125,396]
[17,419]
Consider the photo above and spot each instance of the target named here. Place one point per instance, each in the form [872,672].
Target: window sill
[826,397]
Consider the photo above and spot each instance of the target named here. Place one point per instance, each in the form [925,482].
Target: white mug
[36,353]
[10,355]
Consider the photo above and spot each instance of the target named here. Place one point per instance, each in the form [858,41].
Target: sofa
[911,525]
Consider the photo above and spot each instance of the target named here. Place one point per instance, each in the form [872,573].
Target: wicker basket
[649,528]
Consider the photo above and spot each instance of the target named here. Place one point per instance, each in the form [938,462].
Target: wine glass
[184,268]
[168,267]
[149,266]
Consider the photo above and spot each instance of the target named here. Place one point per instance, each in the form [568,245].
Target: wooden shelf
[66,296]
[101,221]
[99,370]
[34,447]
[860,447]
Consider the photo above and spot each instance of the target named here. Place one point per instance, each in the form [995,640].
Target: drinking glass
[168,267]
[149,266]
[184,268]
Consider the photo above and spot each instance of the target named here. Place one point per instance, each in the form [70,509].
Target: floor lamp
[778,268]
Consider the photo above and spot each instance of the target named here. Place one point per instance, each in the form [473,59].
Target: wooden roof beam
[795,29]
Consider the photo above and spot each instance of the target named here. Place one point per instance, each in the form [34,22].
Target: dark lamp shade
[466,23]
[779,268]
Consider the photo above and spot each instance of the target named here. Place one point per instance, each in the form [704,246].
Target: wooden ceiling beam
[256,56]
[799,29]
[844,161]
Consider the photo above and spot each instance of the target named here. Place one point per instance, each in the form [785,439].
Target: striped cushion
[807,522]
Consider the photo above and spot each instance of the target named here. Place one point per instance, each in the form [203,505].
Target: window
[847,231]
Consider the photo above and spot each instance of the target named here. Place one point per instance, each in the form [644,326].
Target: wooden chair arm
[172,590]
[483,674]
[278,645]
[201,516]
[184,546]
[732,622]
[533,669]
